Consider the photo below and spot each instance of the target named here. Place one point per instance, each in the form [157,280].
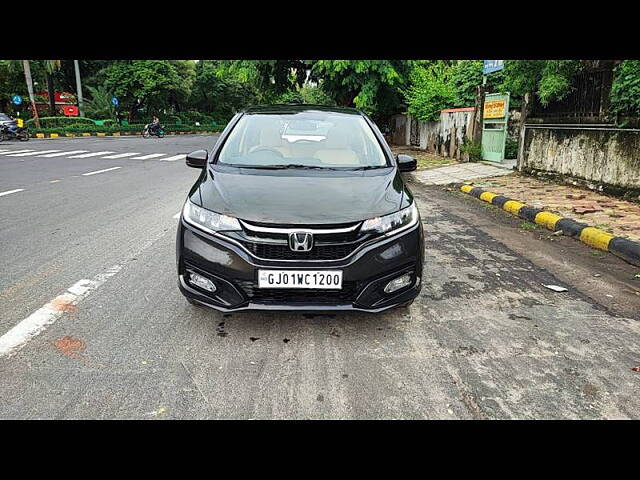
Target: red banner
[59,97]
[70,110]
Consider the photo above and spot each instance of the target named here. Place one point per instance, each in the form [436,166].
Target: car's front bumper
[235,272]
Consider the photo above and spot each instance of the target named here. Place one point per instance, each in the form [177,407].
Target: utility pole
[79,87]
[32,98]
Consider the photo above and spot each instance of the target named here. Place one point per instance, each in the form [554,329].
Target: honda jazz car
[300,207]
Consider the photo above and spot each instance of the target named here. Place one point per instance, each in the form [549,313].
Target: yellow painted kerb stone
[595,238]
[100,134]
[487,196]
[466,188]
[547,220]
[512,207]
[53,135]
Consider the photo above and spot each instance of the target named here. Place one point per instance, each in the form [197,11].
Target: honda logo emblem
[300,241]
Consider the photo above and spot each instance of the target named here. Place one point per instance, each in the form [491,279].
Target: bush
[511,149]
[51,122]
[473,149]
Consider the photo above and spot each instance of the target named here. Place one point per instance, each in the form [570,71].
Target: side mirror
[197,159]
[406,163]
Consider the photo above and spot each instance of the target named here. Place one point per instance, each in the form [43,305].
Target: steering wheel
[268,149]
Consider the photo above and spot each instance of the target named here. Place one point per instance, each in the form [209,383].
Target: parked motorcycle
[21,133]
[147,132]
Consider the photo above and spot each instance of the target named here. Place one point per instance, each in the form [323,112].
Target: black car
[300,207]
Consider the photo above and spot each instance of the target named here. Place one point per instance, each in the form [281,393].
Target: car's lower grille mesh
[283,252]
[308,296]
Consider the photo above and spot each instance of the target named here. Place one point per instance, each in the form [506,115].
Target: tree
[222,88]
[99,105]
[549,79]
[625,91]
[431,90]
[27,76]
[375,86]
[50,67]
[142,83]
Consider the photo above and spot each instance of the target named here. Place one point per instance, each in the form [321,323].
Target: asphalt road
[484,340]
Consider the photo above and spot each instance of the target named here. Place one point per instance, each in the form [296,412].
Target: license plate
[327,279]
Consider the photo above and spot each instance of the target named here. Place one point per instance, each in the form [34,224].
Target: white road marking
[92,154]
[101,171]
[123,155]
[16,151]
[173,159]
[145,157]
[3,150]
[38,321]
[9,192]
[29,154]
[51,155]
[177,215]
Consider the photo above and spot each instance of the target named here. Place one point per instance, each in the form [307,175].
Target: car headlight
[207,220]
[404,218]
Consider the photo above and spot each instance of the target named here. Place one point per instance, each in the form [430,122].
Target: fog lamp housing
[201,282]
[398,283]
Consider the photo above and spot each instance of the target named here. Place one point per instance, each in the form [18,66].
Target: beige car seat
[270,138]
[336,149]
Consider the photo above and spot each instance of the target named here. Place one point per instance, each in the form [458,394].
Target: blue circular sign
[17,99]
[114,101]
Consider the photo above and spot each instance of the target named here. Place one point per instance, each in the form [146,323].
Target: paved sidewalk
[611,214]
[460,173]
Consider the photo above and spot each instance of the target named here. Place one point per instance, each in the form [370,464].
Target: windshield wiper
[369,167]
[284,167]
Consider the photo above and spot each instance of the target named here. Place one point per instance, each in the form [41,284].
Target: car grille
[275,245]
[283,252]
[306,296]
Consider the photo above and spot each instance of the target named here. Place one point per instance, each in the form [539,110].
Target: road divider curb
[622,247]
[114,134]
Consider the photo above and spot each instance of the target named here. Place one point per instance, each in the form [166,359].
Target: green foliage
[511,148]
[308,94]
[144,83]
[221,88]
[53,122]
[374,86]
[625,91]
[98,105]
[431,91]
[474,150]
[549,79]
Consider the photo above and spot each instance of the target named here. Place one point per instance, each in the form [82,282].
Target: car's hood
[303,197]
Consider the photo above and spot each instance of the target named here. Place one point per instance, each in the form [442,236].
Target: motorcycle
[21,133]
[147,132]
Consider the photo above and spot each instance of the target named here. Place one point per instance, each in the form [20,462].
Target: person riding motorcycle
[12,127]
[154,125]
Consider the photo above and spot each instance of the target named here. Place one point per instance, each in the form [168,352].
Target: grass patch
[528,226]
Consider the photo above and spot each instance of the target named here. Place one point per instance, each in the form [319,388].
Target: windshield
[4,117]
[303,140]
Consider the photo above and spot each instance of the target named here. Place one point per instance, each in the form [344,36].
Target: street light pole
[79,87]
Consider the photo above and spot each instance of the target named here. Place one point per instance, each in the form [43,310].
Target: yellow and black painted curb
[114,134]
[626,249]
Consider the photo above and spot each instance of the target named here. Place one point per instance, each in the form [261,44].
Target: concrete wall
[608,157]
[444,137]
